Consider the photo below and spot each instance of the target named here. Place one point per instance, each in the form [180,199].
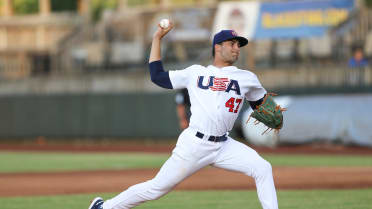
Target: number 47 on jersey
[233,104]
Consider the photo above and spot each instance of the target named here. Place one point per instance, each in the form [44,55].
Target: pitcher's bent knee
[264,169]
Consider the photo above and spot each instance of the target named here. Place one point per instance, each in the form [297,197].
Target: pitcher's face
[230,50]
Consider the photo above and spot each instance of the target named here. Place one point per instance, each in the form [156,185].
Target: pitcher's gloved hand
[269,113]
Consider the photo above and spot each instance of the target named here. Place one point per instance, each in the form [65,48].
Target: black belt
[212,138]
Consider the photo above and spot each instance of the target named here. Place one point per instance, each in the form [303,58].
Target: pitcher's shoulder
[246,73]
[197,67]
[194,68]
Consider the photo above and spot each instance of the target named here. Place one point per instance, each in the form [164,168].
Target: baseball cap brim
[242,41]
[225,35]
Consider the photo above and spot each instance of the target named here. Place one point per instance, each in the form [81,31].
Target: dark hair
[357,47]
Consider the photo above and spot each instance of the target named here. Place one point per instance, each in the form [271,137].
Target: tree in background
[22,7]
[98,6]
[65,5]
[368,3]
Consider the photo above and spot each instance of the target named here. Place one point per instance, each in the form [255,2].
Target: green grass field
[55,161]
[62,161]
[288,199]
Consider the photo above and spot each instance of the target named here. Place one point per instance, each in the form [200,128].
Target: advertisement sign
[287,19]
[294,19]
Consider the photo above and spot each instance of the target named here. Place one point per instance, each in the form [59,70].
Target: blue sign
[299,19]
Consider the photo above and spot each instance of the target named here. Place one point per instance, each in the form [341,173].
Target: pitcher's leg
[174,170]
[236,156]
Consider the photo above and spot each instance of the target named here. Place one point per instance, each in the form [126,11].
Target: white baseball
[164,23]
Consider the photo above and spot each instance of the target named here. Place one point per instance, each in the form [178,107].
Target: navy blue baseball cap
[225,35]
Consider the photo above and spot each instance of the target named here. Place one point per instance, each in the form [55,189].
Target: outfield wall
[89,115]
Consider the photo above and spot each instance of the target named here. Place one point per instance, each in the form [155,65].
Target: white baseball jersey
[216,95]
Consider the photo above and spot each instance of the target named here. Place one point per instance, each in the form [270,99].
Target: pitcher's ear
[216,48]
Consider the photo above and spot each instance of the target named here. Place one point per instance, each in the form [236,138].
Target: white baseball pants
[191,154]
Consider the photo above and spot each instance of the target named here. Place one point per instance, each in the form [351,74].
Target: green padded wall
[89,115]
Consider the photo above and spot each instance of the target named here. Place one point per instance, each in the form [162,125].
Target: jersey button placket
[219,112]
[219,95]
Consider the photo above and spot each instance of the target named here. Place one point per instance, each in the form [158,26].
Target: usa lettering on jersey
[219,84]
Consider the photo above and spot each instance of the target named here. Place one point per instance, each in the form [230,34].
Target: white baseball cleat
[96,203]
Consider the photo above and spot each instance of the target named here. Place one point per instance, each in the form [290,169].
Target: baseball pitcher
[217,93]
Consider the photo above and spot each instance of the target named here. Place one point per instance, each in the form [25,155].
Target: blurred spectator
[358,63]
[183,108]
[358,60]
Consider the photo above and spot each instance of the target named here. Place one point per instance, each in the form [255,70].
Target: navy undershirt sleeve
[159,76]
[254,104]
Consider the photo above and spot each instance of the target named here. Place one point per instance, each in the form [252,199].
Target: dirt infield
[167,148]
[28,184]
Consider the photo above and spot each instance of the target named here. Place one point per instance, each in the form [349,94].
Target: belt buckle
[213,138]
